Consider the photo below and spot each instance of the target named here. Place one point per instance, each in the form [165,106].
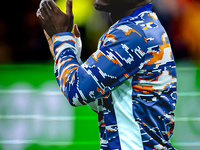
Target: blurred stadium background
[34,115]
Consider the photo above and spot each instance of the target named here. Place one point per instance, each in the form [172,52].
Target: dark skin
[54,21]
[120,8]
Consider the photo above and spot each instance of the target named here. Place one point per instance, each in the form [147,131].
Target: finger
[48,3]
[46,8]
[41,3]
[69,7]
[44,12]
[52,5]
[76,31]
[40,17]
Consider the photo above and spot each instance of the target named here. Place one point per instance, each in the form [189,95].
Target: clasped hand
[53,20]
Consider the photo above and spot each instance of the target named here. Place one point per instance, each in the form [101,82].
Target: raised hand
[53,20]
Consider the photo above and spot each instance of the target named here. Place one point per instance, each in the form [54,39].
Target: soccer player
[130,81]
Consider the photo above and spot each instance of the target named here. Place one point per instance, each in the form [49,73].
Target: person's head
[114,5]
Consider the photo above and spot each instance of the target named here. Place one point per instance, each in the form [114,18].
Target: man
[130,81]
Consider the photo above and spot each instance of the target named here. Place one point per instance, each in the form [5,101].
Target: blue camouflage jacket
[130,81]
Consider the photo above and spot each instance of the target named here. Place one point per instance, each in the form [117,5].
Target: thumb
[76,31]
[49,40]
[69,7]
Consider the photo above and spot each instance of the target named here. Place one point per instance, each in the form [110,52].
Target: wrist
[56,36]
[63,41]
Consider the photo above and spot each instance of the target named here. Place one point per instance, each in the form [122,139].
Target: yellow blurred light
[81,9]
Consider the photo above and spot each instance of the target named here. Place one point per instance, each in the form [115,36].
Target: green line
[30,92]
[187,119]
[187,68]
[73,118]
[188,94]
[63,143]
[48,118]
[186,143]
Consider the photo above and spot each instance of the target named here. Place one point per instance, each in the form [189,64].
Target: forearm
[66,66]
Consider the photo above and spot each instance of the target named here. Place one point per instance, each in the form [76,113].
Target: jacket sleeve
[121,53]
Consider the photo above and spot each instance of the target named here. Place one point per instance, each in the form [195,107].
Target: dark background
[22,39]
